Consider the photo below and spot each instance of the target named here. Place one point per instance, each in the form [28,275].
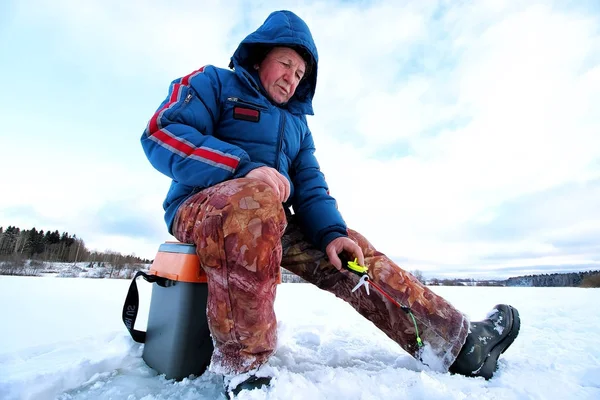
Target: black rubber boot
[486,341]
[252,382]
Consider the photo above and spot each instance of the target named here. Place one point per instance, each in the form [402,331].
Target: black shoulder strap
[131,306]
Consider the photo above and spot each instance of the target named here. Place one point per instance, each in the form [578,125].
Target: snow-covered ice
[63,338]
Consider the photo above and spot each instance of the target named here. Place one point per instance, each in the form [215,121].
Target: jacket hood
[281,28]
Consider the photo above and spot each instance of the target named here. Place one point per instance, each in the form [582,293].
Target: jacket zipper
[188,98]
[238,100]
[280,139]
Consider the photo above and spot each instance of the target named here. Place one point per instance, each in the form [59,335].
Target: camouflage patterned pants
[242,237]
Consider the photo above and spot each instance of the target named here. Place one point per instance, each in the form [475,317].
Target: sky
[458,138]
[325,350]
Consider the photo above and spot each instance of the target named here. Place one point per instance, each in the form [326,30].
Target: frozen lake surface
[64,339]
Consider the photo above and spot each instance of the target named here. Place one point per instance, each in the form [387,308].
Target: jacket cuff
[245,167]
[329,237]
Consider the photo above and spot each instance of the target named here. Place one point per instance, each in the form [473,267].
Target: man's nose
[288,76]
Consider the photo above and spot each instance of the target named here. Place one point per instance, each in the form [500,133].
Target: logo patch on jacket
[246,114]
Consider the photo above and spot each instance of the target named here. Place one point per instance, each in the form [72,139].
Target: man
[237,146]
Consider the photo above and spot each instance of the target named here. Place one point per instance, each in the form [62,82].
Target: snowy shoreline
[66,340]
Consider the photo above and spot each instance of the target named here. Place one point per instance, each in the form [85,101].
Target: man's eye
[298,76]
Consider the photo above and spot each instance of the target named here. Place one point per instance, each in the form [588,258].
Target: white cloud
[531,107]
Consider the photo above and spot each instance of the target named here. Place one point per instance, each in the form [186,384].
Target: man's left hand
[337,245]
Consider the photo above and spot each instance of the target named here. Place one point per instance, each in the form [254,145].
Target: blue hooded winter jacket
[218,124]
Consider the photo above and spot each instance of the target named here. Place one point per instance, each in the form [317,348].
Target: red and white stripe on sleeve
[180,146]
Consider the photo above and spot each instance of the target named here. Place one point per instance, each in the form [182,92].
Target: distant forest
[567,279]
[54,246]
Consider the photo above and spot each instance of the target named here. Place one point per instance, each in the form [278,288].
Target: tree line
[569,279]
[55,247]
[566,279]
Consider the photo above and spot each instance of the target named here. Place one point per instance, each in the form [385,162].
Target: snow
[63,338]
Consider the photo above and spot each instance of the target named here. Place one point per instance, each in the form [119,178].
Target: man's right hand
[274,179]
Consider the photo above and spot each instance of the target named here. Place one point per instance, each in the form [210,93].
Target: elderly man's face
[280,73]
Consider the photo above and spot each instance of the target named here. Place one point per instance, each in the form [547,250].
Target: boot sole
[491,362]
